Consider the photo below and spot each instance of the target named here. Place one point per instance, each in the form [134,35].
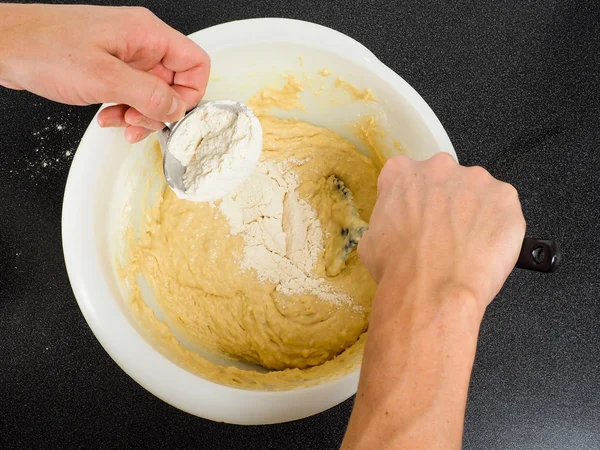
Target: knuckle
[478,174]
[134,16]
[396,163]
[393,170]
[509,192]
[440,167]
[156,97]
[443,159]
[140,11]
[508,198]
[132,116]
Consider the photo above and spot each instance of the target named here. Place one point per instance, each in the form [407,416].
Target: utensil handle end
[540,255]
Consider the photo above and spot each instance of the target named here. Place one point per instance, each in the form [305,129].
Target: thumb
[146,92]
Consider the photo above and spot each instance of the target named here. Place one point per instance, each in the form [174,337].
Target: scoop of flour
[219,145]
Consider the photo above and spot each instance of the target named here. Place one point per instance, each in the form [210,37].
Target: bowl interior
[114,175]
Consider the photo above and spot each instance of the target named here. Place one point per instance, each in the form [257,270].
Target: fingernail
[174,106]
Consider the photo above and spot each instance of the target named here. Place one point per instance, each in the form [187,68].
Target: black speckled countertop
[517,88]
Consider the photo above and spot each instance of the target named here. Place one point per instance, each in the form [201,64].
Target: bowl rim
[138,358]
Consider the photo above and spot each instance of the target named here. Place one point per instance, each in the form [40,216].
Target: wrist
[418,358]
[426,294]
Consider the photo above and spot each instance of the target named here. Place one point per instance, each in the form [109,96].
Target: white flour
[219,146]
[282,233]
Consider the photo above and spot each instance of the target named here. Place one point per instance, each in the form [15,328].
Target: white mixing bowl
[246,55]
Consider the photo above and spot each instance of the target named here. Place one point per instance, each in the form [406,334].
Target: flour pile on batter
[282,232]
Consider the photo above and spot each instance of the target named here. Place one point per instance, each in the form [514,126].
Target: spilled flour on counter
[282,232]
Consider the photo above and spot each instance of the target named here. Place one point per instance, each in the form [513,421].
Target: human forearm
[22,26]
[7,24]
[417,365]
[83,55]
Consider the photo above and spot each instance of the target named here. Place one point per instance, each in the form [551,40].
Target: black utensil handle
[539,254]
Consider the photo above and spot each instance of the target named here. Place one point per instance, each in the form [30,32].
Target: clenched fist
[444,224]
